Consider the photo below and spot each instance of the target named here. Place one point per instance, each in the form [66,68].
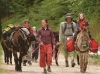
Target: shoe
[49,69]
[24,64]
[67,65]
[33,60]
[72,63]
[36,61]
[29,62]
[57,63]
[45,71]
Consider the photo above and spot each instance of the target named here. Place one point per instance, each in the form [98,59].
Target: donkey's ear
[84,29]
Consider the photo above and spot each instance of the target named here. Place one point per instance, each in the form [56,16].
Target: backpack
[65,25]
[94,46]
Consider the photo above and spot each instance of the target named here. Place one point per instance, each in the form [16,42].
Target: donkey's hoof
[20,70]
[16,69]
[11,63]
[7,63]
[82,71]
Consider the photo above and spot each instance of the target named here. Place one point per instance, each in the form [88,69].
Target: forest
[15,11]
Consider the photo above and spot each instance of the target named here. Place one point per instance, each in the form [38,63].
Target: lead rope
[35,48]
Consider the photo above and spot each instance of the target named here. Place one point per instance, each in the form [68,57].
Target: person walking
[35,47]
[67,30]
[45,37]
[28,58]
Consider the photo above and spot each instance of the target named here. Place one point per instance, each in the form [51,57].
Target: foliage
[55,11]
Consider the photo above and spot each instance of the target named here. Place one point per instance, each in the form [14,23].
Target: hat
[68,15]
[34,27]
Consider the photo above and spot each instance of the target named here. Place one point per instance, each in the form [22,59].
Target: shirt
[82,23]
[46,36]
[68,31]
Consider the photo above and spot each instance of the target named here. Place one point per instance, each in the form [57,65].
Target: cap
[68,15]
[34,27]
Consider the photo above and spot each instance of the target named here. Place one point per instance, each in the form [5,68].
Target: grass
[95,60]
[1,69]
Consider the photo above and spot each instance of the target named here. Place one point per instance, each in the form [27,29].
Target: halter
[77,48]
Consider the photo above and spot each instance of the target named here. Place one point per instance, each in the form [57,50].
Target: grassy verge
[95,60]
[1,69]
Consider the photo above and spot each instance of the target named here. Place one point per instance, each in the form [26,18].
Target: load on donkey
[19,42]
[5,42]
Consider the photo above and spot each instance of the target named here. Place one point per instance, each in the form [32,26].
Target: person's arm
[60,32]
[75,28]
[38,36]
[53,39]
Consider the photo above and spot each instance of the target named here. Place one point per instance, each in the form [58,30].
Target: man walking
[67,30]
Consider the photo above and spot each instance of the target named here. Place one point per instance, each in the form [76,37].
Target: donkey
[82,47]
[21,45]
[6,45]
[56,51]
[7,51]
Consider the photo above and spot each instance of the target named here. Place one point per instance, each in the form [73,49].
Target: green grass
[1,69]
[95,60]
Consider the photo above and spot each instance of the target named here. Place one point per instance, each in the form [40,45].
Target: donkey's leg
[7,56]
[81,62]
[20,61]
[56,57]
[10,57]
[16,60]
[78,59]
[85,61]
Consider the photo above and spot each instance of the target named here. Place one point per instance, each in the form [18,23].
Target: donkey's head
[83,39]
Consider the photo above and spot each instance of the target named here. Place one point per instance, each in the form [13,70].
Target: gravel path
[35,69]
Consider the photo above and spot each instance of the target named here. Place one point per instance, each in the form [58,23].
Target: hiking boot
[24,62]
[36,61]
[72,63]
[45,71]
[49,69]
[29,62]
[67,65]
[57,63]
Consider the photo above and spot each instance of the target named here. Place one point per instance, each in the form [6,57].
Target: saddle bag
[70,45]
[94,46]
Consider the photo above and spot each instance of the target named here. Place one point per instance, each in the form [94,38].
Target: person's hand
[54,47]
[59,43]
[41,43]
[58,50]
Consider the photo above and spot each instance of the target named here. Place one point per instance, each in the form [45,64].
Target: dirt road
[35,69]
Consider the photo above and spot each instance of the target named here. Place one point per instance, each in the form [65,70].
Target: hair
[66,19]
[83,16]
[46,22]
[26,20]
